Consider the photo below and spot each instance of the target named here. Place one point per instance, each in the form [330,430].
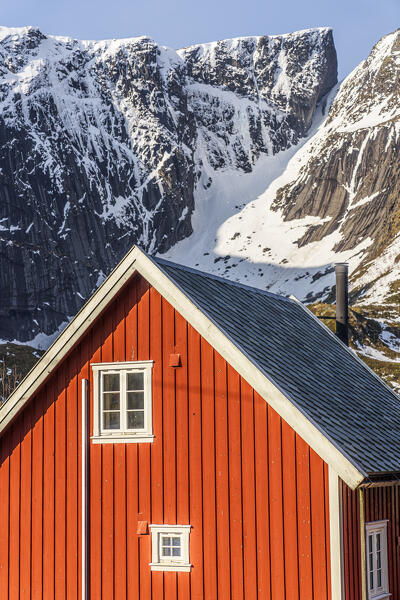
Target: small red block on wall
[142,528]
[174,360]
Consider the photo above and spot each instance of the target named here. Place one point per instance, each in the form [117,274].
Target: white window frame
[371,529]
[160,563]
[122,435]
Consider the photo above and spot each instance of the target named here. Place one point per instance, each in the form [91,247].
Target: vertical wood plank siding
[380,503]
[222,460]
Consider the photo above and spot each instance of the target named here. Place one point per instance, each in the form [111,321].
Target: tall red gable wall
[222,460]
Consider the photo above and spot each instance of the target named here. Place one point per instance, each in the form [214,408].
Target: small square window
[170,547]
[377,562]
[122,402]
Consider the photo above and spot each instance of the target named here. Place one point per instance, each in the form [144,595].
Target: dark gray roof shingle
[325,380]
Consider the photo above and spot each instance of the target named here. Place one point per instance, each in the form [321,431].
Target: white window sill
[160,567]
[122,439]
[380,596]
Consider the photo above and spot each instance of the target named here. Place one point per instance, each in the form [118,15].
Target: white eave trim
[136,260]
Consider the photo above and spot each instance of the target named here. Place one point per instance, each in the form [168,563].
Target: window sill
[384,596]
[159,567]
[122,439]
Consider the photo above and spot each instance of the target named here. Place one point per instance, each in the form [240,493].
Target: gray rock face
[351,179]
[102,145]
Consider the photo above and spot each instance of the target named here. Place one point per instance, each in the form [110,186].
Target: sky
[357,24]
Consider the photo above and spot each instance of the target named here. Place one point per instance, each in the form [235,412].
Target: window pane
[378,542]
[166,541]
[135,400]
[135,381]
[111,420]
[111,382]
[176,541]
[379,577]
[166,551]
[378,560]
[176,551]
[111,401]
[136,419]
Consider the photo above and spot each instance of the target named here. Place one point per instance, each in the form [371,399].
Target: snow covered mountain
[105,144]
[333,196]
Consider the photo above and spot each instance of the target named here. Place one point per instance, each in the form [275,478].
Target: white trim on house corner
[336,536]
[136,260]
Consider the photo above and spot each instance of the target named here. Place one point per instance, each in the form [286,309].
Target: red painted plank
[351,541]
[168,409]
[37,497]
[182,441]
[195,462]
[290,511]
[327,533]
[95,485]
[72,506]
[48,493]
[222,479]
[132,508]
[157,466]
[262,495]
[169,433]
[25,422]
[304,520]
[107,520]
[14,543]
[4,513]
[144,449]
[108,493]
[318,526]
[248,483]
[120,531]
[235,485]
[276,505]
[60,487]
[208,436]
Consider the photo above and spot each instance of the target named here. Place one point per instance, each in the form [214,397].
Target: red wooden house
[190,438]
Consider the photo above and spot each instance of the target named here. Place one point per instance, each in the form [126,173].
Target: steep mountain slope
[333,197]
[104,144]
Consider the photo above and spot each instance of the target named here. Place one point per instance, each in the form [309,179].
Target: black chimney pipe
[342,302]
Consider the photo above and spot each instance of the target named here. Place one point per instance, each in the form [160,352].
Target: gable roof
[333,401]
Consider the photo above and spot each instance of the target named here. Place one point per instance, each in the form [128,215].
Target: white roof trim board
[138,261]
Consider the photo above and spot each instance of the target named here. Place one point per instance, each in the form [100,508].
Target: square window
[122,402]
[170,547]
[377,563]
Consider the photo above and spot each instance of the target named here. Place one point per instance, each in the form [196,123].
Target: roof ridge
[224,280]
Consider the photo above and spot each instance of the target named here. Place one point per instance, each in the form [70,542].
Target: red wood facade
[379,503]
[222,460]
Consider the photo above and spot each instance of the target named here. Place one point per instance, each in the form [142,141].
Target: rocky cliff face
[334,196]
[107,144]
[351,179]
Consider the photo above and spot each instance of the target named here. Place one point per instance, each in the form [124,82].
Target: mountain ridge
[106,144]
